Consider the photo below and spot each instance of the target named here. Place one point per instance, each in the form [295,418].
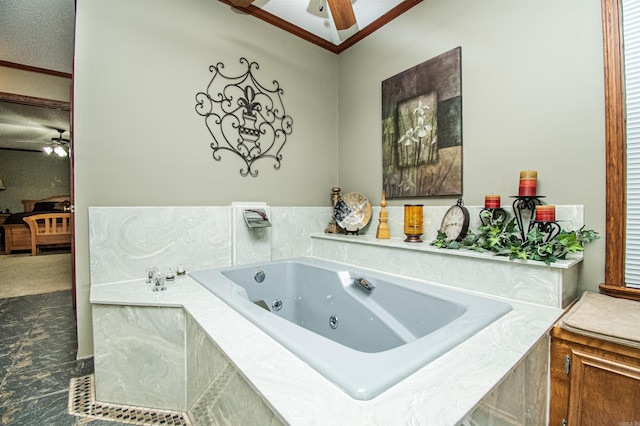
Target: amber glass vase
[413,222]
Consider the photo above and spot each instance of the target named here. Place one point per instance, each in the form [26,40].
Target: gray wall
[533,98]
[138,140]
[532,76]
[31,175]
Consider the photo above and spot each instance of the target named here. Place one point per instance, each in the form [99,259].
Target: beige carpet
[23,274]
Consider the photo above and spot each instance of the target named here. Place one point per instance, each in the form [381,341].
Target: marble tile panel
[124,241]
[249,245]
[140,356]
[230,400]
[536,283]
[239,404]
[521,397]
[293,227]
[204,361]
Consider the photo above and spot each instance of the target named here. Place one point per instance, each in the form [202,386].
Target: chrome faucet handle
[364,284]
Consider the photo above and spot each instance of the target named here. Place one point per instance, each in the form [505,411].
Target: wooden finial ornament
[383,227]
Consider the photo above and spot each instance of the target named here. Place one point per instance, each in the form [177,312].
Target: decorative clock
[455,222]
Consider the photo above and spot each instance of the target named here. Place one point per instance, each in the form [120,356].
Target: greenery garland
[503,238]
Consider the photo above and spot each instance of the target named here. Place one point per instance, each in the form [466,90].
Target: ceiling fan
[60,145]
[341,10]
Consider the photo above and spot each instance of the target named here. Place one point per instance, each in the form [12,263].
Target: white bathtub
[362,342]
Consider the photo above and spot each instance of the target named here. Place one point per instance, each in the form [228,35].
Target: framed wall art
[422,129]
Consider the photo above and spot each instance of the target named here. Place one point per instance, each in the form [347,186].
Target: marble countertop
[399,243]
[443,392]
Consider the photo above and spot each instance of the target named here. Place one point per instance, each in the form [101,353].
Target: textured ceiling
[38,33]
[35,33]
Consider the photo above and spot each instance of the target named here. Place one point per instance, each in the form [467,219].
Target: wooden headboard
[28,204]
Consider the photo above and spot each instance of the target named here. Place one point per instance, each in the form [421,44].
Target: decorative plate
[352,211]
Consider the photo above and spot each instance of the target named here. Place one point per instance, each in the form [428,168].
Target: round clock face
[455,223]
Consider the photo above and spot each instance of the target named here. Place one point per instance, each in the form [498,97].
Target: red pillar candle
[546,213]
[491,201]
[528,183]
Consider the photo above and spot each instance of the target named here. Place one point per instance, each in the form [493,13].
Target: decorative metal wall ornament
[244,117]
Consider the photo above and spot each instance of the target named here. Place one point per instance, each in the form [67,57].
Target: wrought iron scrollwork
[244,117]
[525,203]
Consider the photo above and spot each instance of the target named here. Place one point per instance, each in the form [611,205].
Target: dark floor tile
[15,328]
[56,319]
[60,298]
[6,361]
[47,410]
[51,329]
[84,367]
[11,345]
[44,355]
[21,383]
[26,304]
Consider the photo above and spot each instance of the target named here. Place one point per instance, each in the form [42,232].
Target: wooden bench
[49,229]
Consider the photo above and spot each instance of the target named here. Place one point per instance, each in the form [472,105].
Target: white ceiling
[306,14]
[40,34]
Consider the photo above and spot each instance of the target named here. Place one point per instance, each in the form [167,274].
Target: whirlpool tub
[363,330]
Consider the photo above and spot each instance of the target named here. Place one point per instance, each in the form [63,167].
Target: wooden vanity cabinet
[593,381]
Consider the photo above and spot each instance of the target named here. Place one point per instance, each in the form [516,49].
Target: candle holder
[333,227]
[413,217]
[494,216]
[551,229]
[528,203]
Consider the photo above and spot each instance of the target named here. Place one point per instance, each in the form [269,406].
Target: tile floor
[37,360]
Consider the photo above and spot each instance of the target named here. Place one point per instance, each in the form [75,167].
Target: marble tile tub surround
[535,282]
[459,380]
[555,285]
[125,240]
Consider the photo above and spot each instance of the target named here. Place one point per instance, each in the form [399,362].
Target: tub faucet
[256,218]
[364,285]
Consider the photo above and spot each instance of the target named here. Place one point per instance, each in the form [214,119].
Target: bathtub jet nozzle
[364,285]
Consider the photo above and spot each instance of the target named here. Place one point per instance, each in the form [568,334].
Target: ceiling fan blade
[342,13]
[241,3]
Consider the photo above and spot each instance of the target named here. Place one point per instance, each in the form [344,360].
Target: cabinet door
[603,391]
[559,378]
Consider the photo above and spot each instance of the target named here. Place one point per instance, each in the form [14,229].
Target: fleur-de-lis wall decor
[244,117]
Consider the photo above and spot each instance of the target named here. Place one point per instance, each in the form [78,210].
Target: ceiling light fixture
[60,146]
